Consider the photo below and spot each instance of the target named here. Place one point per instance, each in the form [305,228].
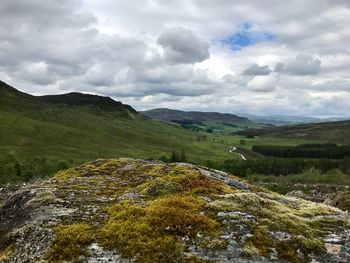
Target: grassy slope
[219,122]
[330,131]
[31,129]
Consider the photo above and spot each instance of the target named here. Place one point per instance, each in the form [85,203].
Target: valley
[45,134]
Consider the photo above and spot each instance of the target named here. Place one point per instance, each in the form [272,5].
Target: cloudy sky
[261,57]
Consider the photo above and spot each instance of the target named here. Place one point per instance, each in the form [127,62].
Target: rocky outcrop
[341,200]
[126,210]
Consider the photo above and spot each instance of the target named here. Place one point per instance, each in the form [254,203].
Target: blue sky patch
[246,37]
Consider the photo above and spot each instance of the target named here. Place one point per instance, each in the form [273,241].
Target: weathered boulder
[126,210]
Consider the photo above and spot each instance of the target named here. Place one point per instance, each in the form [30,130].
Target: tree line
[318,151]
[279,166]
[174,157]
[14,170]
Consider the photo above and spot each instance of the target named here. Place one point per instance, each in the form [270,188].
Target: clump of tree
[175,157]
[187,122]
[279,166]
[14,170]
[202,138]
[325,151]
[209,130]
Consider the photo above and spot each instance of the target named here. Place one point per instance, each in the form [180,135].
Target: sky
[259,57]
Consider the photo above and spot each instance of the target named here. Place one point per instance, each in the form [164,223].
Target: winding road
[234,149]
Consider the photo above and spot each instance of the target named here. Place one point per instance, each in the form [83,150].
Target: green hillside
[335,132]
[196,120]
[78,127]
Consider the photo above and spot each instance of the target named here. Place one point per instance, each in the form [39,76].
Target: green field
[334,132]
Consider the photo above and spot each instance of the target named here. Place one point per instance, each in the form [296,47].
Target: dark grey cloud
[256,70]
[303,65]
[278,67]
[182,46]
[331,85]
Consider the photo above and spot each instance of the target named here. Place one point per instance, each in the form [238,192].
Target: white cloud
[165,53]
[262,83]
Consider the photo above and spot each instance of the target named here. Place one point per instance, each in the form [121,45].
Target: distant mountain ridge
[197,120]
[201,121]
[165,114]
[285,119]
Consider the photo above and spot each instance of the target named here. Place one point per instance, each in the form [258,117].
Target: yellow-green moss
[180,179]
[159,187]
[70,242]
[110,166]
[168,207]
[200,184]
[287,252]
[306,222]
[156,170]
[152,233]
[182,170]
[181,214]
[260,240]
[45,197]
[342,201]
[214,243]
[6,253]
[70,173]
[189,258]
[129,232]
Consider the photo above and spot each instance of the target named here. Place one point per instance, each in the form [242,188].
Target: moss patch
[159,187]
[306,222]
[156,212]
[70,242]
[260,241]
[342,201]
[152,233]
[6,253]
[70,173]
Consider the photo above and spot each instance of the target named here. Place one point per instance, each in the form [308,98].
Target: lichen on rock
[126,210]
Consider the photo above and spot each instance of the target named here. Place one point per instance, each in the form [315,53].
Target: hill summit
[197,120]
[80,99]
[171,115]
[10,98]
[127,210]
